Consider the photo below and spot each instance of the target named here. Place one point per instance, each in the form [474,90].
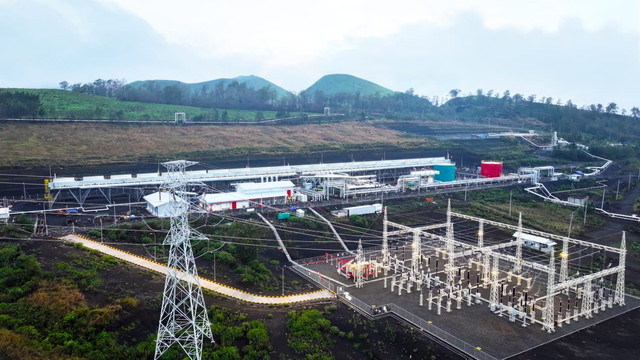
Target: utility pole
[570,224]
[602,203]
[617,189]
[510,194]
[24,191]
[44,212]
[586,206]
[629,185]
[283,266]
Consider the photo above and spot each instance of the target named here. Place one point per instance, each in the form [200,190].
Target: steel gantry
[502,270]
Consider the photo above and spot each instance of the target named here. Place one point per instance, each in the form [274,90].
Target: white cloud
[290,32]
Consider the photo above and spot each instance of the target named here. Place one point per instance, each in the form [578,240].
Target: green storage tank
[283,216]
[447,172]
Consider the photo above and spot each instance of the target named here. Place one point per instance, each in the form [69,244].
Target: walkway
[206,284]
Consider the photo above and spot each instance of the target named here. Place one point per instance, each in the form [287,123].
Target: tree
[612,108]
[635,112]
[64,85]
[507,95]
[454,93]
[479,92]
[531,97]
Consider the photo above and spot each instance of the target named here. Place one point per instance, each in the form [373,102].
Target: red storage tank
[491,169]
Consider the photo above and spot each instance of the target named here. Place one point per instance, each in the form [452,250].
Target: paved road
[206,284]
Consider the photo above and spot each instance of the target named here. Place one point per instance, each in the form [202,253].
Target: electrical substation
[479,284]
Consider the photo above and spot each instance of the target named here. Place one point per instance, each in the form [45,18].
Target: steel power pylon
[183,317]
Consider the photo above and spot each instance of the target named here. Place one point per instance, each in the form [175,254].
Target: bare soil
[97,143]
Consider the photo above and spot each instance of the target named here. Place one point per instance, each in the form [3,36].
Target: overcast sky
[587,51]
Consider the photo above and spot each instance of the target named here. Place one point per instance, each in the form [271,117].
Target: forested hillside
[252,98]
[573,123]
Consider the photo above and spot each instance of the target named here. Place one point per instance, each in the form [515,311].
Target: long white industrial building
[271,173]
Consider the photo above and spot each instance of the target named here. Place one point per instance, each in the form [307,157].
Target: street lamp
[155,245]
[214,258]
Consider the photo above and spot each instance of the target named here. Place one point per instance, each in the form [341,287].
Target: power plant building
[224,201]
[267,192]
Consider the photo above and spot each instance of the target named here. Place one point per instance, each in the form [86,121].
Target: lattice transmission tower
[183,317]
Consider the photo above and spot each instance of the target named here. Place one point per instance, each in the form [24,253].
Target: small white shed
[162,204]
[535,242]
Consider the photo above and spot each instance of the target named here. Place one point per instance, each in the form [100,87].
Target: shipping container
[364,209]
[283,216]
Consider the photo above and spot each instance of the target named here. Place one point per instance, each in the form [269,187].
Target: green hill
[61,104]
[251,81]
[349,84]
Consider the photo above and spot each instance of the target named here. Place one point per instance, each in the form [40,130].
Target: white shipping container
[364,209]
[300,213]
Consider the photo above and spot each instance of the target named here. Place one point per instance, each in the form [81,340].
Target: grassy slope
[62,104]
[33,144]
[252,81]
[343,83]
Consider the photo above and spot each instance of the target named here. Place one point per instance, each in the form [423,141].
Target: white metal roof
[156,199]
[155,178]
[4,212]
[251,187]
[224,197]
[377,205]
[534,238]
